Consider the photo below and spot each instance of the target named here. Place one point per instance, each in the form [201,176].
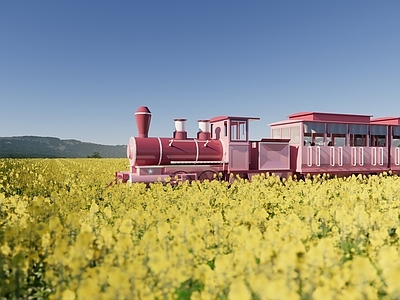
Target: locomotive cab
[234,136]
[247,158]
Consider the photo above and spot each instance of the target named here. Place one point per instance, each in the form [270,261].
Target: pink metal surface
[147,178]
[270,140]
[180,135]
[143,151]
[274,156]
[330,117]
[163,151]
[204,133]
[122,176]
[203,136]
[143,117]
[180,132]
[222,118]
[238,157]
[346,159]
[125,177]
[386,121]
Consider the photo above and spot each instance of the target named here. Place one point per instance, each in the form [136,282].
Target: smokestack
[180,133]
[143,117]
[204,133]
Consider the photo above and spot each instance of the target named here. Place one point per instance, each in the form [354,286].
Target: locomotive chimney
[143,117]
[180,133]
[204,133]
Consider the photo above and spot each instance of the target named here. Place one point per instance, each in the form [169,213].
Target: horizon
[54,137]
[79,70]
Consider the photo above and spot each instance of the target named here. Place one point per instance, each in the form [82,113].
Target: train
[305,143]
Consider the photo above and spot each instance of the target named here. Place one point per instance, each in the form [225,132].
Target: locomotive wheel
[210,175]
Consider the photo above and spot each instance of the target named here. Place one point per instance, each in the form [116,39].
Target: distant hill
[37,147]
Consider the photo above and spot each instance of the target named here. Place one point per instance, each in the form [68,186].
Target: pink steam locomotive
[305,143]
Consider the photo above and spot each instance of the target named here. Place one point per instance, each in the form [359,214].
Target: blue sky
[79,69]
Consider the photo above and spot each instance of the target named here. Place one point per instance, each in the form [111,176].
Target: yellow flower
[94,208]
[88,289]
[163,231]
[239,291]
[5,249]
[118,280]
[21,207]
[86,228]
[126,226]
[46,240]
[324,292]
[107,212]
[68,295]
[107,235]
[54,224]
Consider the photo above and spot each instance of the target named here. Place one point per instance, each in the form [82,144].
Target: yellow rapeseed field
[64,235]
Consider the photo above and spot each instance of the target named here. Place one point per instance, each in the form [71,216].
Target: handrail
[373,156]
[341,156]
[381,155]
[161,152]
[332,156]
[318,158]
[397,156]
[197,149]
[208,162]
[130,179]
[309,156]
[361,149]
[353,156]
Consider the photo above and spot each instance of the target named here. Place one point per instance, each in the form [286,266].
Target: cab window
[238,130]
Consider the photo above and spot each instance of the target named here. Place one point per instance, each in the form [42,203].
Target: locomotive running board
[198,162]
